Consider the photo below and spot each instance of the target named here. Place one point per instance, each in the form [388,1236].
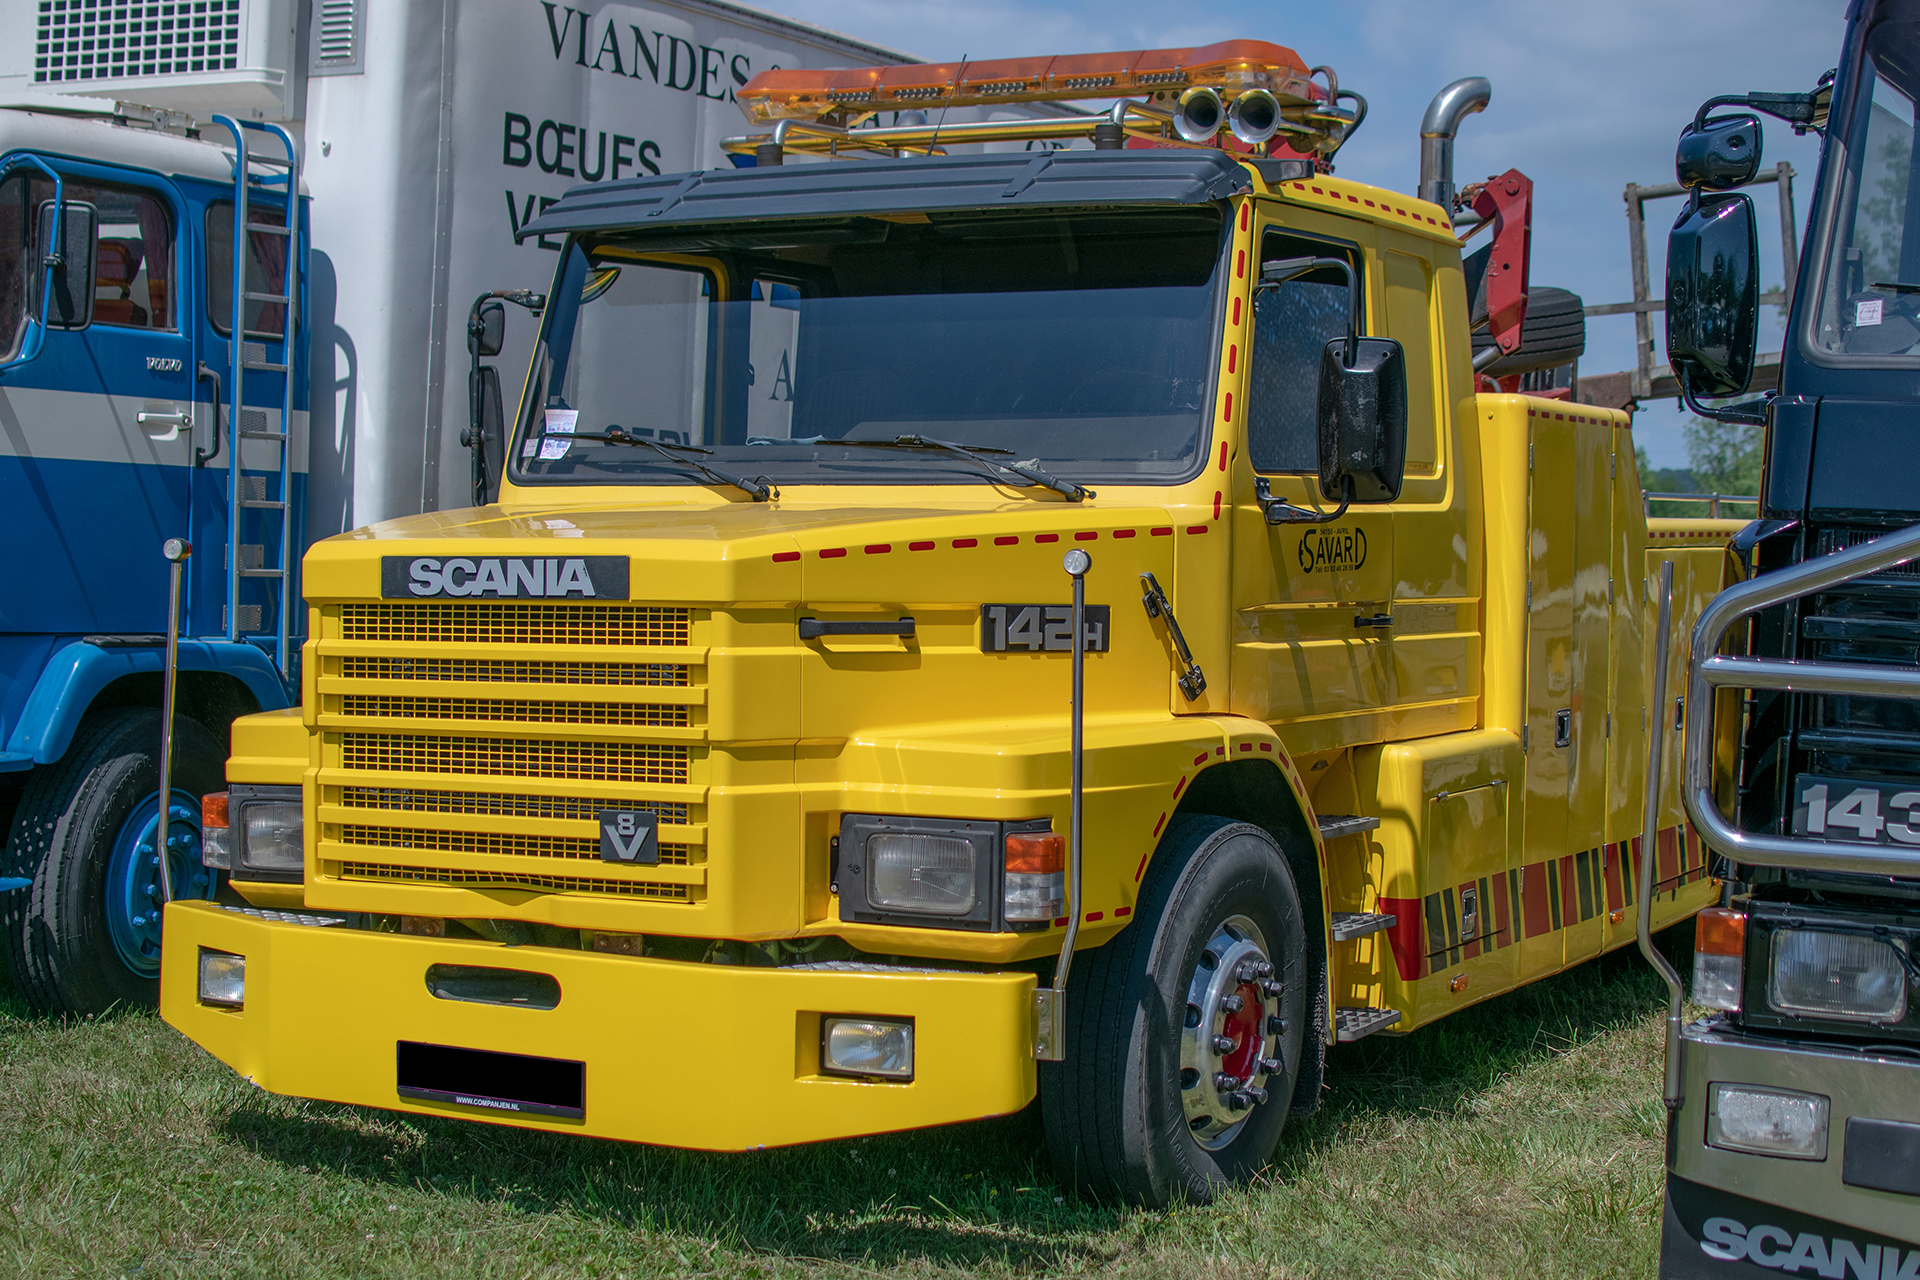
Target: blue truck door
[96,433]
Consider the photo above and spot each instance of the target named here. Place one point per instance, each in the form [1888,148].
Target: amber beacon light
[1258,91]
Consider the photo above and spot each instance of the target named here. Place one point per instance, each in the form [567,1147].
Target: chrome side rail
[1709,670]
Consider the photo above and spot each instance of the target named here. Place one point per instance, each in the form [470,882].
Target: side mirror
[487,329]
[487,438]
[1722,155]
[70,303]
[1362,420]
[1713,296]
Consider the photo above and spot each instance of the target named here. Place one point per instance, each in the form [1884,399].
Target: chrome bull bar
[1709,670]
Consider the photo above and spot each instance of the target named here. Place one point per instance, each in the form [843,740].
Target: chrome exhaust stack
[1449,107]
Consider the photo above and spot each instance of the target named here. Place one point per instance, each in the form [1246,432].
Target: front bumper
[686,1055]
[1707,1187]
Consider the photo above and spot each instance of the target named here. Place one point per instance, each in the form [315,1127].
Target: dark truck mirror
[1360,411]
[1713,298]
[487,329]
[1722,154]
[1362,420]
[70,254]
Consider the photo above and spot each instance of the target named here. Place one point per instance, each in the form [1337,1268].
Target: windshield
[1870,292]
[1077,342]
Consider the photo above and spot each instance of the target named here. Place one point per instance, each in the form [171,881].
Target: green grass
[1523,1136]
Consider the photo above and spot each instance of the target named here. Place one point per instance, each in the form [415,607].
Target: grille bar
[515,757]
[498,671]
[488,805]
[408,622]
[502,711]
[474,825]
[492,844]
[537,883]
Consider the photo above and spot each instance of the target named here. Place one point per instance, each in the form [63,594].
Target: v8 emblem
[629,835]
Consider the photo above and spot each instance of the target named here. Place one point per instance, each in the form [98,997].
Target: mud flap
[1708,1234]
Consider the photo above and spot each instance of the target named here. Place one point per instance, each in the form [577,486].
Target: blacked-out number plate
[1039,628]
[1843,809]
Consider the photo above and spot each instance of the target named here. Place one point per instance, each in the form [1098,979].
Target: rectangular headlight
[223,979]
[932,875]
[867,1047]
[1836,975]
[1768,1122]
[269,830]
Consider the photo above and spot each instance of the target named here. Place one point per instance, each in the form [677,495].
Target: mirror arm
[1280,511]
[1743,414]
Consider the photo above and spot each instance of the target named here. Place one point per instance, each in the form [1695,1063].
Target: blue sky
[1586,98]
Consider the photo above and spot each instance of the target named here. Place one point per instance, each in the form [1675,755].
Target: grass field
[1522,1137]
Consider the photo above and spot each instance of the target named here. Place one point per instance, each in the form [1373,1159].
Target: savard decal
[1332,550]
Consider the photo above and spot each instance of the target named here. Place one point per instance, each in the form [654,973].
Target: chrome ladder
[270,560]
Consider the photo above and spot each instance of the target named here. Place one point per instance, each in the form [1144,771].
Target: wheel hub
[133,877]
[1230,1035]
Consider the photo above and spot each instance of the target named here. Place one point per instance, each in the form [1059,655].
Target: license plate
[1039,628]
[1866,812]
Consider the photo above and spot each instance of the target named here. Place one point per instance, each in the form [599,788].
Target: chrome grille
[534,624]
[516,758]
[496,709]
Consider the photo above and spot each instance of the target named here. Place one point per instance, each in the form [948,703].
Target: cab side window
[133,254]
[1292,324]
[266,268]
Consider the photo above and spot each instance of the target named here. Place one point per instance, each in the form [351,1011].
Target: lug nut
[1272,988]
[1233,1004]
[1259,1096]
[1263,968]
[1224,1082]
[1225,1044]
[1272,1066]
[1276,1026]
[1238,1101]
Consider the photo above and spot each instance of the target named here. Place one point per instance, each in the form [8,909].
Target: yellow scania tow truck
[955,627]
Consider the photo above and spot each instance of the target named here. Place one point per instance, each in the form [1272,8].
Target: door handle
[1381,620]
[171,422]
[814,628]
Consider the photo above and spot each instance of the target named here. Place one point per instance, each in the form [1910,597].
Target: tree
[1724,456]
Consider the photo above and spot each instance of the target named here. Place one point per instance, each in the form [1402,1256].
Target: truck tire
[1553,334]
[1135,1112]
[85,937]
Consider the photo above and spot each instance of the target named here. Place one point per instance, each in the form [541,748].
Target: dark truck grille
[1872,622]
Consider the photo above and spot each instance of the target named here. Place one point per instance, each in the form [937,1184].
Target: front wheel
[1184,1034]
[85,935]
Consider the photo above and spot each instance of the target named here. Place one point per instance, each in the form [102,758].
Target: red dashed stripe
[1118,533]
[781,557]
[879,548]
[1196,528]
[1091,915]
[1038,537]
[1161,531]
[834,553]
[919,546]
[1117,911]
[1085,535]
[1223,455]
[1007,542]
[961,544]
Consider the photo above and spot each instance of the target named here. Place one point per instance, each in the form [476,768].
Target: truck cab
[752,689]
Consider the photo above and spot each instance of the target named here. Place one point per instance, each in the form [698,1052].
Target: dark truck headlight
[266,833]
[947,873]
[1824,974]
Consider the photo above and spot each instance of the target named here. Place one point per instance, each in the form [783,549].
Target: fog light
[866,1047]
[1836,975]
[272,832]
[1768,1122]
[933,875]
[1719,950]
[216,841]
[1036,882]
[223,979]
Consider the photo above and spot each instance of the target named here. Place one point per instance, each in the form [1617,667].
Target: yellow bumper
[684,1055]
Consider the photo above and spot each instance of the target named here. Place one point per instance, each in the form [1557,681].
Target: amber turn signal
[213,809]
[1036,853]
[1720,931]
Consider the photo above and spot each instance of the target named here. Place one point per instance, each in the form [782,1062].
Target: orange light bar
[1228,67]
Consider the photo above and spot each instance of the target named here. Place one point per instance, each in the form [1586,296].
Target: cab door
[96,432]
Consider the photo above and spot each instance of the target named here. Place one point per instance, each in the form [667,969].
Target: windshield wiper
[1898,286]
[978,453]
[758,489]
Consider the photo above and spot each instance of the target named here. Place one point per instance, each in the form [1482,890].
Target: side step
[1348,925]
[1353,1024]
[1335,825]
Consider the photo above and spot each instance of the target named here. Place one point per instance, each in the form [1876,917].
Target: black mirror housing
[1713,295]
[1723,155]
[487,330]
[1362,419]
[70,305]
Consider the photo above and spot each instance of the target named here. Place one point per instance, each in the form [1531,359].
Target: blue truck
[153,385]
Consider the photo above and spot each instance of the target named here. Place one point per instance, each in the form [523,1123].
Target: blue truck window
[265,266]
[133,256]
